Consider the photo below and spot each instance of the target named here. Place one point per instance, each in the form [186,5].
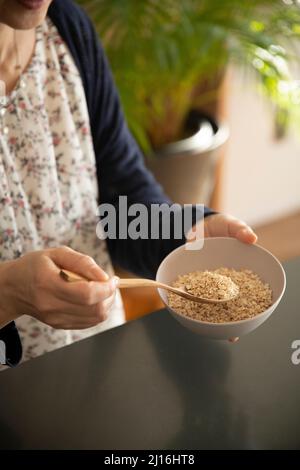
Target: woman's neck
[6,43]
[16,49]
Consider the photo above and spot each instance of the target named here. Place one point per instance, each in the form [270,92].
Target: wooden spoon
[135,282]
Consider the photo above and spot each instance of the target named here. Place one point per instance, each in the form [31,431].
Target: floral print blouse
[48,185]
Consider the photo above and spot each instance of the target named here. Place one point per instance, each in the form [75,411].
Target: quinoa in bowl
[258,274]
[254,295]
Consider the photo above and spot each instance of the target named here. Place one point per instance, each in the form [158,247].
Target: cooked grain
[254,296]
[210,285]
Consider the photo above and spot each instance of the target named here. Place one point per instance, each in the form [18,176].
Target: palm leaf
[159,50]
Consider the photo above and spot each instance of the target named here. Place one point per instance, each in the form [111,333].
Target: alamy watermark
[153,221]
[295,357]
[2,352]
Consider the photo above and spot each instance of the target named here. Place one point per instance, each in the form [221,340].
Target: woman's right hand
[32,285]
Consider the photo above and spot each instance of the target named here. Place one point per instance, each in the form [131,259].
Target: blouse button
[5,130]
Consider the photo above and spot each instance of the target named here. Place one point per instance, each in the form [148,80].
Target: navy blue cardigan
[120,164]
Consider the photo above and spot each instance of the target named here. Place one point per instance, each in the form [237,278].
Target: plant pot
[186,169]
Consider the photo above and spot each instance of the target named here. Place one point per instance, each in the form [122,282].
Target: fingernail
[251,232]
[247,231]
[115,281]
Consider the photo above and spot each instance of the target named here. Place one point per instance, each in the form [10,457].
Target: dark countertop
[153,384]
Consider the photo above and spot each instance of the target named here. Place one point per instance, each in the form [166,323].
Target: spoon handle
[127,283]
[135,282]
[123,283]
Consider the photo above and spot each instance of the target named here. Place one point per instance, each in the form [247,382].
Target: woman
[64,146]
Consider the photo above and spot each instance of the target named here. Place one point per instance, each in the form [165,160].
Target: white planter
[186,169]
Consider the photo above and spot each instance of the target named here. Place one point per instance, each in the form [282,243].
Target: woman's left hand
[223,225]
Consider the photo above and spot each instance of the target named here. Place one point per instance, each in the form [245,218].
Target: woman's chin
[16,15]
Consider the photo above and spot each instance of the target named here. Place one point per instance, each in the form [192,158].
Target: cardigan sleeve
[120,165]
[121,171]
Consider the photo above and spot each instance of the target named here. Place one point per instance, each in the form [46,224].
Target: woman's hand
[32,285]
[223,225]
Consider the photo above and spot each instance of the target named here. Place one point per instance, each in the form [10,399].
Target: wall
[261,175]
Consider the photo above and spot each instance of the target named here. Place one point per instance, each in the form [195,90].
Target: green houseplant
[160,51]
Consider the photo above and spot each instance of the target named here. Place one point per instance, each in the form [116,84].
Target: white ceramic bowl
[230,253]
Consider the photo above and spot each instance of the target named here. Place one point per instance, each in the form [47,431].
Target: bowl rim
[234,322]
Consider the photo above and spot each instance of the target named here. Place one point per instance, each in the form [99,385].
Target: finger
[246,235]
[65,257]
[83,292]
[94,314]
[217,225]
[58,309]
[69,321]
[66,323]
[103,308]
[233,340]
[66,316]
[240,230]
